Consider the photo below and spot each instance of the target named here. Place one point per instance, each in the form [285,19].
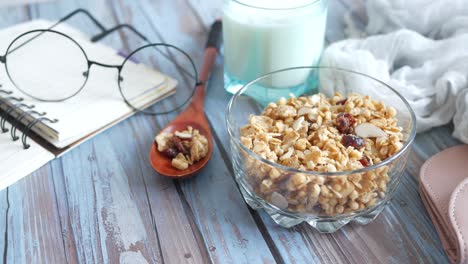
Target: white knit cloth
[419,47]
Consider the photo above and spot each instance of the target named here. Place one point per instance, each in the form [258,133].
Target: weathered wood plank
[226,234]
[168,218]
[128,191]
[108,206]
[9,16]
[33,235]
[26,233]
[13,15]
[206,11]
[68,237]
[102,247]
[178,241]
[228,229]
[4,210]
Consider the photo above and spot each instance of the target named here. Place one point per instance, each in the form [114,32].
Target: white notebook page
[99,103]
[17,162]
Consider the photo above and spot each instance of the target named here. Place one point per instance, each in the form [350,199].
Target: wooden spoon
[193,116]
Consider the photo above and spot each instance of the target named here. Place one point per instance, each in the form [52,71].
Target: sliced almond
[304,111]
[298,123]
[315,99]
[183,135]
[162,139]
[288,154]
[368,130]
[279,200]
[272,134]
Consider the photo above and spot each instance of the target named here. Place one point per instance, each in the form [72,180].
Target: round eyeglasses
[50,66]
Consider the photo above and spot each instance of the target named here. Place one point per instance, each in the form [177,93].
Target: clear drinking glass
[264,36]
[250,168]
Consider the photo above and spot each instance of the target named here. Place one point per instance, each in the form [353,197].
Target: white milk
[280,34]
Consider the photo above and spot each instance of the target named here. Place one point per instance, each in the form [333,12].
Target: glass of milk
[262,36]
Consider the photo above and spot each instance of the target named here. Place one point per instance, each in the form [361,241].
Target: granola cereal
[184,148]
[316,133]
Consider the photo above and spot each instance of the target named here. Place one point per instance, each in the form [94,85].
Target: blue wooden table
[102,203]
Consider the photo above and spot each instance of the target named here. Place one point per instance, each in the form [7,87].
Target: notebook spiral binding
[15,103]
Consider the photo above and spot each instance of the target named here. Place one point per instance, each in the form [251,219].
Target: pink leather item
[444,191]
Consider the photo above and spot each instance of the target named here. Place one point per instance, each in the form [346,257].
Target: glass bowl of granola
[328,157]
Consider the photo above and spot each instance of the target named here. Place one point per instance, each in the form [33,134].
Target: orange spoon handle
[211,51]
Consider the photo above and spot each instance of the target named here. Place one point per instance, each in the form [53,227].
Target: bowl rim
[395,156]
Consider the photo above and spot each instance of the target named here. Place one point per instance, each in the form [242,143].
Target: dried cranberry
[353,141]
[345,123]
[342,102]
[364,161]
[170,152]
[178,145]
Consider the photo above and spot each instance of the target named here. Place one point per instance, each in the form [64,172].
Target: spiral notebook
[69,123]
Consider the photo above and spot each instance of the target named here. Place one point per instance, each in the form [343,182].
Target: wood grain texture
[69,239]
[225,234]
[28,208]
[4,213]
[175,241]
[32,208]
[103,203]
[97,217]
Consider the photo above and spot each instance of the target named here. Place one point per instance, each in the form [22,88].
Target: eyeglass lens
[53,67]
[49,68]
[152,61]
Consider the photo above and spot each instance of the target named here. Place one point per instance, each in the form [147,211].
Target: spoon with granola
[184,146]
[181,149]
